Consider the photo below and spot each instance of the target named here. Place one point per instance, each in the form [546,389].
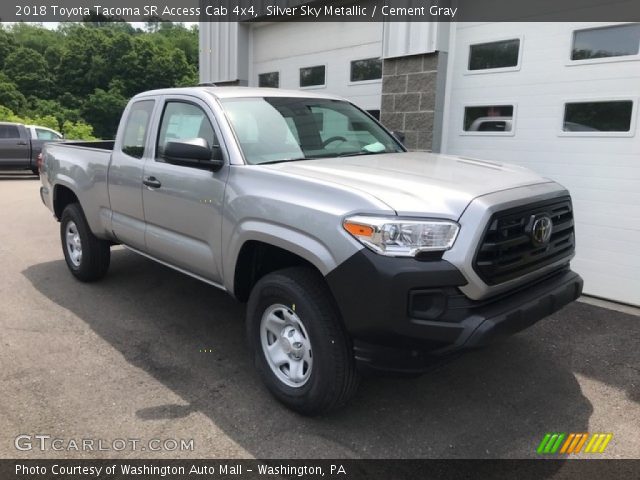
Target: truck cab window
[135,130]
[43,134]
[183,121]
[9,131]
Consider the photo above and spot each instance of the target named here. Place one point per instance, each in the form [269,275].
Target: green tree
[7,115]
[28,70]
[177,36]
[77,131]
[10,96]
[82,64]
[41,107]
[7,45]
[83,73]
[152,65]
[34,36]
[103,109]
[44,121]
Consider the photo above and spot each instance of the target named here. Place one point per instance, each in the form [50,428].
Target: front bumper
[404,315]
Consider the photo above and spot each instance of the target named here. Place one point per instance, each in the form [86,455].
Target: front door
[125,175]
[183,205]
[14,149]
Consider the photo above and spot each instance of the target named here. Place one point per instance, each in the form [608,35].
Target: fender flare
[281,236]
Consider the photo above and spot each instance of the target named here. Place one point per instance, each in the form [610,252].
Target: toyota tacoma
[352,253]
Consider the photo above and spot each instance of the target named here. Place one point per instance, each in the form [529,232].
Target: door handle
[21,142]
[152,182]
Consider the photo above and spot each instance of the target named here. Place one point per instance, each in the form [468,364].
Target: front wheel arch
[257,259]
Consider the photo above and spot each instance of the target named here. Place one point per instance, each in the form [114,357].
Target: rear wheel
[86,255]
[300,348]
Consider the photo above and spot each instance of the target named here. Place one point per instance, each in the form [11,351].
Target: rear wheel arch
[62,197]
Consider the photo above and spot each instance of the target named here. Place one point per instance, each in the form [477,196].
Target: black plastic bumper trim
[373,294]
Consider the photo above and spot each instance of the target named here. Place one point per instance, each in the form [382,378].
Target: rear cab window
[137,127]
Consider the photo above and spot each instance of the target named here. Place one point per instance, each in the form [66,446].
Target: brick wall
[408,98]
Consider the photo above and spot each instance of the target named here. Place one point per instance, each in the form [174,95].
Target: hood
[416,183]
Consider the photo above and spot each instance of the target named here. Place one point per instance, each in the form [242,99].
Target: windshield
[280,129]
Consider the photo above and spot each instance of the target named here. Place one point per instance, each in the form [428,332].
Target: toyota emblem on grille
[540,228]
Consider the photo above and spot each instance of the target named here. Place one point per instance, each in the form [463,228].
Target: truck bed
[92,144]
[81,167]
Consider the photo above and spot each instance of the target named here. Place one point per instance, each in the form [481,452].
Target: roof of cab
[239,92]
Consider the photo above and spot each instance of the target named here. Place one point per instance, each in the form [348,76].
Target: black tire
[96,253]
[333,378]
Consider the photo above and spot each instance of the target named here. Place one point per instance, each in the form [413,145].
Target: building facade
[560,98]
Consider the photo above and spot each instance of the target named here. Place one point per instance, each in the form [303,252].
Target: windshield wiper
[271,162]
[360,152]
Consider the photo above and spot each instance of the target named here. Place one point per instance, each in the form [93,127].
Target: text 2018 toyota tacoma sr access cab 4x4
[351,252]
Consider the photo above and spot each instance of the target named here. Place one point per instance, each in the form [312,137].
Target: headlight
[396,237]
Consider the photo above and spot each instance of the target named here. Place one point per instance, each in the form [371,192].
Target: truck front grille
[509,248]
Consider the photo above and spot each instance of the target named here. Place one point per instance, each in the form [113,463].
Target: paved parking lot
[125,359]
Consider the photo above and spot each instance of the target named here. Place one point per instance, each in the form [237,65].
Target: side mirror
[399,136]
[194,153]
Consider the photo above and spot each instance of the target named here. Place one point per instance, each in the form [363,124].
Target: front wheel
[300,348]
[86,255]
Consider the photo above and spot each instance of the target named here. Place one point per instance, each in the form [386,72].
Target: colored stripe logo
[573,443]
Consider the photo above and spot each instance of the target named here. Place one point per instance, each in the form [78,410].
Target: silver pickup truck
[352,253]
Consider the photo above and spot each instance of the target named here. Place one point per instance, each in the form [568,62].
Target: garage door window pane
[271,80]
[368,69]
[598,116]
[491,118]
[312,76]
[501,54]
[616,41]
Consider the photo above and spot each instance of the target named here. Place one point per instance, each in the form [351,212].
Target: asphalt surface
[125,359]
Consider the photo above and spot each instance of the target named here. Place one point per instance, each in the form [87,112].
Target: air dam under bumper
[404,315]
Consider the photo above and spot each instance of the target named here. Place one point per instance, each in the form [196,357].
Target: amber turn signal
[358,229]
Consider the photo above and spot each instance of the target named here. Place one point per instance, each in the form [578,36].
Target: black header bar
[312,469]
[321,10]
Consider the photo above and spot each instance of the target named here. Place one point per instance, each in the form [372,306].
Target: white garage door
[284,48]
[564,104]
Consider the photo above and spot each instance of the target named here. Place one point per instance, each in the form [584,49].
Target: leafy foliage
[79,77]
[72,130]
[10,96]
[103,109]
[28,70]
[78,130]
